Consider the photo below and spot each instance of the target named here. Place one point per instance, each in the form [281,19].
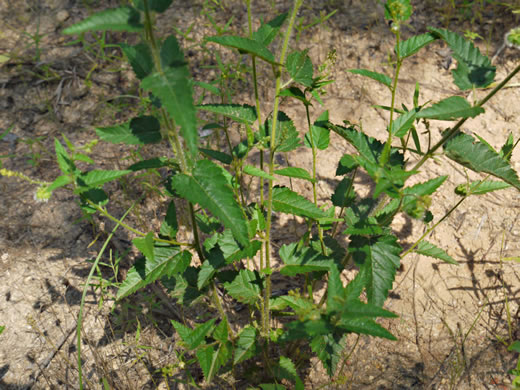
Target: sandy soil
[451,317]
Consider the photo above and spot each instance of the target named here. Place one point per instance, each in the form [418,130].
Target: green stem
[84,294]
[196,233]
[314,181]
[259,115]
[433,227]
[278,74]
[314,153]
[169,122]
[388,146]
[454,130]
[444,217]
[106,214]
[342,210]
[220,309]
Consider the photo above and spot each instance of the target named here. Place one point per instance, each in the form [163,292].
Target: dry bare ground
[452,318]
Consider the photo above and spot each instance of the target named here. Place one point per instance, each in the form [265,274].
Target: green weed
[229,254]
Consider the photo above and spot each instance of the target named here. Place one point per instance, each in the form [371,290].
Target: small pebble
[5,256]
[62,16]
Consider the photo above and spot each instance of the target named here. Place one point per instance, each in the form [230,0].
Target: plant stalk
[278,74]
[454,130]
[388,146]
[314,181]
[84,294]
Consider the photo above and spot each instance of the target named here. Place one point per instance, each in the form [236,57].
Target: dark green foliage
[139,131]
[229,259]
[115,19]
[474,70]
[477,156]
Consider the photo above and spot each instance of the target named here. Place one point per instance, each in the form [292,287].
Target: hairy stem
[314,181]
[386,151]
[278,74]
[455,129]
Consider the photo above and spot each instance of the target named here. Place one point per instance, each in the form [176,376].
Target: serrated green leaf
[507,149]
[167,261]
[403,123]
[428,249]
[355,309]
[209,187]
[245,44]
[415,200]
[301,306]
[378,259]
[382,78]
[515,346]
[344,194]
[205,356]
[82,157]
[171,53]
[194,337]
[115,19]
[94,195]
[412,45]
[449,109]
[335,292]
[307,329]
[480,187]
[268,31]
[254,171]
[169,227]
[64,161]
[97,178]
[60,181]
[295,172]
[369,148]
[215,260]
[245,346]
[221,332]
[232,251]
[303,260]
[173,87]
[182,285]
[476,156]
[474,70]
[140,58]
[287,370]
[366,326]
[295,93]
[153,163]
[329,348]
[145,246]
[246,287]
[154,5]
[346,164]
[287,201]
[320,133]
[287,137]
[218,155]
[139,131]
[244,113]
[299,66]
[360,224]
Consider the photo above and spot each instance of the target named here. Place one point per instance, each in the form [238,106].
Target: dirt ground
[451,318]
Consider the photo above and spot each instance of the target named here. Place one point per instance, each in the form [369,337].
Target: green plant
[231,251]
